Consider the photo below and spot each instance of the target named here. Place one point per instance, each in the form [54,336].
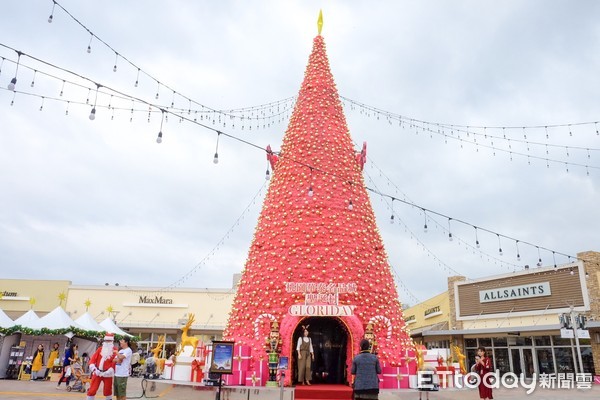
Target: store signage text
[320,292]
[411,319]
[433,311]
[155,300]
[323,310]
[9,294]
[515,292]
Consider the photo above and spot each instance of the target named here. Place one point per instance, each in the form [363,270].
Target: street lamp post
[574,324]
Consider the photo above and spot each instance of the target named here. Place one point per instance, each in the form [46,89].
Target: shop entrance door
[329,338]
[522,361]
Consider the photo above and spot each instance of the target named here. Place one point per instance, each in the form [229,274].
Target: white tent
[27,319]
[110,326]
[88,322]
[5,321]
[55,319]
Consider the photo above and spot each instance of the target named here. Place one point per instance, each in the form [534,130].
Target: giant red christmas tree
[317,254]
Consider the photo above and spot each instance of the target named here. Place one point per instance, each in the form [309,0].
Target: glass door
[522,361]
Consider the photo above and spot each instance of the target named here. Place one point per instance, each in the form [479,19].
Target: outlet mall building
[515,316]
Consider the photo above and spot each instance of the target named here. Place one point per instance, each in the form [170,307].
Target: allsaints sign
[515,292]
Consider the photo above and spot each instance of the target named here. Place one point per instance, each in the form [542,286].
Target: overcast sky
[100,201]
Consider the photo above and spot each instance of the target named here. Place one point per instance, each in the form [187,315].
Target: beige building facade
[518,318]
[145,312]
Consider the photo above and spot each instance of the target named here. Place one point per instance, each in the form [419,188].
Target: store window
[564,359]
[545,360]
[472,343]
[542,341]
[485,342]
[558,341]
[588,360]
[500,342]
[502,361]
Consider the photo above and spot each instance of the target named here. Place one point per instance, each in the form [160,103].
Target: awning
[440,326]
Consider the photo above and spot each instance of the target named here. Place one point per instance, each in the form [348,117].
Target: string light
[216,158]
[476,238]
[51,17]
[518,254]
[89,48]
[159,138]
[450,238]
[392,216]
[539,264]
[350,206]
[499,245]
[33,79]
[13,81]
[93,113]
[425,223]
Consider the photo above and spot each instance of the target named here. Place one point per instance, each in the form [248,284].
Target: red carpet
[329,392]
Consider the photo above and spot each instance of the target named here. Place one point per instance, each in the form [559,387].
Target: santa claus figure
[102,368]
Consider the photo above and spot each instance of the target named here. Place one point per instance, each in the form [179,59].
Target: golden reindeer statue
[187,340]
[160,362]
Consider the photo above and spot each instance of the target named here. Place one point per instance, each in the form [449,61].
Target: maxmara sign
[515,292]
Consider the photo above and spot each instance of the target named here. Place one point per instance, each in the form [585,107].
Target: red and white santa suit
[102,368]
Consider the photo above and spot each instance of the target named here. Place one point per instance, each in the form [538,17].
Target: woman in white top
[305,356]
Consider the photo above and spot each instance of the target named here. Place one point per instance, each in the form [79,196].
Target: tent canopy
[55,319]
[89,323]
[110,326]
[5,321]
[26,320]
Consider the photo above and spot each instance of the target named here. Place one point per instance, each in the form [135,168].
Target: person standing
[483,367]
[70,355]
[122,369]
[102,368]
[54,355]
[365,368]
[37,362]
[305,356]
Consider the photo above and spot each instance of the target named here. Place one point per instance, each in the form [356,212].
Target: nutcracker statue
[370,336]
[273,348]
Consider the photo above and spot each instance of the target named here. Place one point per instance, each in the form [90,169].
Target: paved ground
[12,390]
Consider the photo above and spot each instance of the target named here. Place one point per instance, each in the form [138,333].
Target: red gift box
[394,378]
[237,378]
[197,373]
[241,358]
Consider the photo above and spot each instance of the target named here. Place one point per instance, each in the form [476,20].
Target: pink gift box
[241,350]
[262,370]
[254,379]
[395,378]
[597,379]
[237,378]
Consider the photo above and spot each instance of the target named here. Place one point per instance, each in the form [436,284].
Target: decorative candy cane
[386,321]
[258,320]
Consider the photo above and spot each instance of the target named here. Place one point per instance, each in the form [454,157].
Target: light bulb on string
[216,158]
[476,239]
[89,48]
[137,79]
[350,206]
[571,271]
[518,253]
[554,258]
[450,238]
[392,216]
[116,59]
[51,17]
[13,81]
[499,245]
[93,113]
[539,264]
[162,118]
[267,174]
[33,79]
[425,224]
[157,89]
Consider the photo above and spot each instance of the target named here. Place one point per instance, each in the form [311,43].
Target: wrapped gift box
[241,357]
[254,379]
[237,378]
[262,370]
[395,378]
